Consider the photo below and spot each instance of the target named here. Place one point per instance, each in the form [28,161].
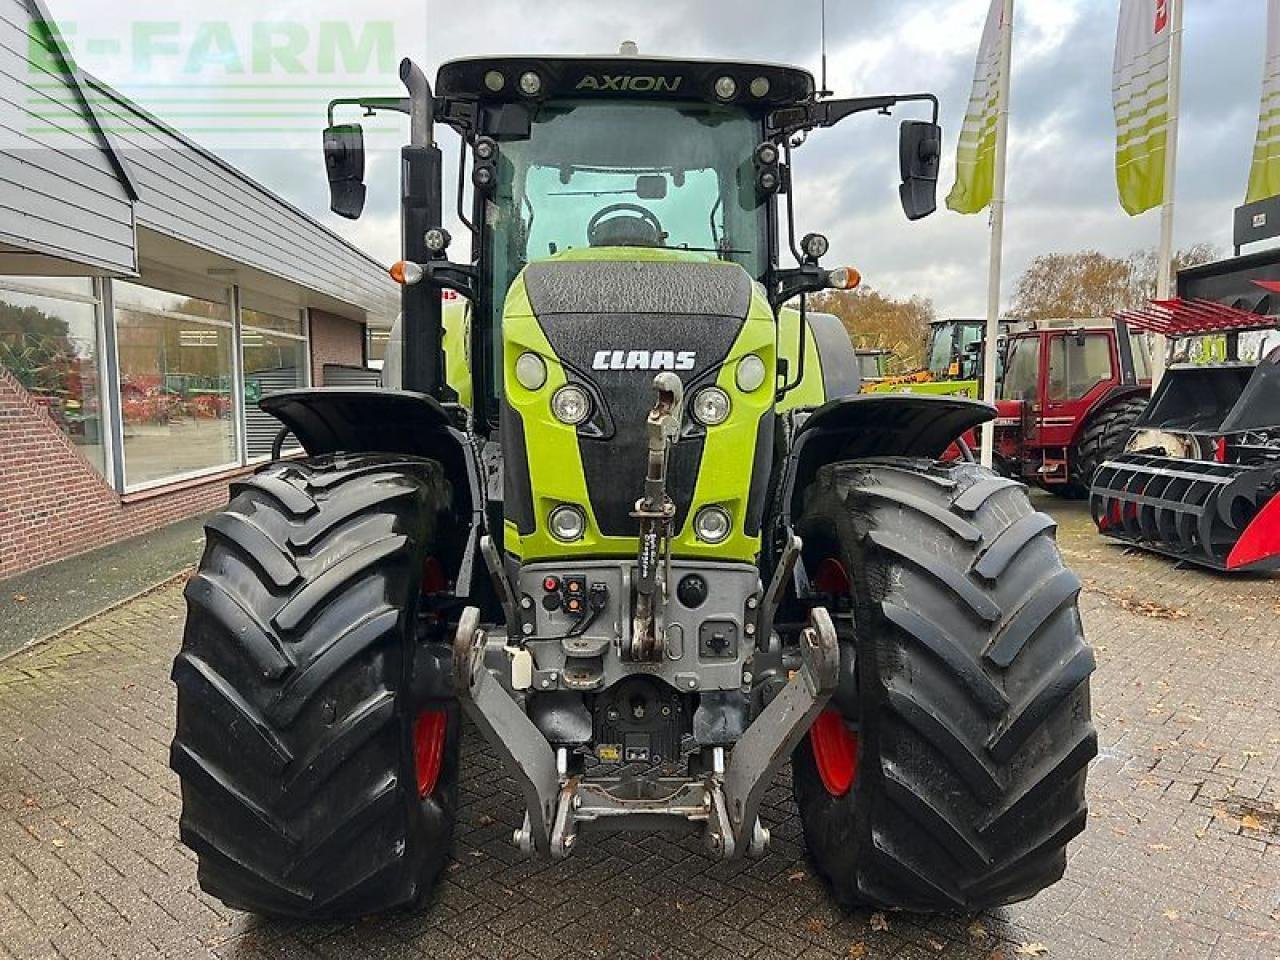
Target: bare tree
[1088,283]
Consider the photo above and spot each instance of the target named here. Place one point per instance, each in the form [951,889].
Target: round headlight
[570,404]
[436,240]
[711,406]
[712,524]
[530,83]
[486,148]
[760,87]
[815,246]
[531,372]
[726,88]
[767,154]
[751,373]
[494,80]
[567,523]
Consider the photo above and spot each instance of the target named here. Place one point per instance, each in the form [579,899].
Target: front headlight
[751,373]
[711,406]
[571,404]
[531,371]
[567,523]
[712,524]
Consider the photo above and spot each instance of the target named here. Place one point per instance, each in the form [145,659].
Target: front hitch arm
[655,511]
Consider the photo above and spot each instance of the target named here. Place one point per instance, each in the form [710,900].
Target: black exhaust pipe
[421,207]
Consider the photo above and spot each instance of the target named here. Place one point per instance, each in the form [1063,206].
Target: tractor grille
[592,307]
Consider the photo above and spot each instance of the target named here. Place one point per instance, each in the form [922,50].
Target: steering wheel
[642,230]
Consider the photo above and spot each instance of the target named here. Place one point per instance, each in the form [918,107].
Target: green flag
[1140,94]
[1264,176]
[976,154]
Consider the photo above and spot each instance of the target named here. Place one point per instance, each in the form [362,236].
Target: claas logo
[644,360]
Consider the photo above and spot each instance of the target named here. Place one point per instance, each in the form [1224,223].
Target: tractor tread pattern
[973,688]
[293,744]
[1103,437]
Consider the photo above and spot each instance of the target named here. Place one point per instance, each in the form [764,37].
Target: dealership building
[150,295]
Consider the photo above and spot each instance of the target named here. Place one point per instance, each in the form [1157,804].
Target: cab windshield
[633,174]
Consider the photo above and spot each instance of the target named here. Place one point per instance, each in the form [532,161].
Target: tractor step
[724,804]
[1194,510]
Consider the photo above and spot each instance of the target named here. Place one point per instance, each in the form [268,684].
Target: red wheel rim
[831,578]
[835,750]
[428,748]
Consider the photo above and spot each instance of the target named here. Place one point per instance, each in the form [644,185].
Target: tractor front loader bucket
[1219,515]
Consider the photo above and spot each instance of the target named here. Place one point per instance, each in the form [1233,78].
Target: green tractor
[633,519]
[954,355]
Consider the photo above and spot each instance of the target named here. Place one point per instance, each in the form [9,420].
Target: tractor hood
[608,320]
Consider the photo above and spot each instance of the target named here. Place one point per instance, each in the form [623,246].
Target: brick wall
[334,339]
[54,504]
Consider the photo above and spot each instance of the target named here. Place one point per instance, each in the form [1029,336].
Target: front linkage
[724,803]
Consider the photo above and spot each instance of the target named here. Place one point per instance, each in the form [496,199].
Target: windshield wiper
[720,250]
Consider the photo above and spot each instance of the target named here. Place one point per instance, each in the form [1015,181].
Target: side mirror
[919,155]
[344,165]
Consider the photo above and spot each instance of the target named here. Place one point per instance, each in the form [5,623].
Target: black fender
[374,420]
[873,425]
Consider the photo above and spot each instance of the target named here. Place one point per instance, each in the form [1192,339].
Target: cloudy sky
[1061,186]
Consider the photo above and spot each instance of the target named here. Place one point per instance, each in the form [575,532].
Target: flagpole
[1164,265]
[997,229]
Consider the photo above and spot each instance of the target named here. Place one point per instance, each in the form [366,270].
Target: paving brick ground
[1181,858]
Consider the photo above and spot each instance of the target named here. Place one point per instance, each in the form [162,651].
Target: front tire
[316,743]
[970,727]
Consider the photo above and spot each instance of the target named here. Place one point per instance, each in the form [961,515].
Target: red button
[551,584]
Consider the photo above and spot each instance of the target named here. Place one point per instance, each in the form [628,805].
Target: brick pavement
[1181,858]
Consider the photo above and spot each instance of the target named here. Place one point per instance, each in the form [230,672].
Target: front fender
[373,420]
[875,425]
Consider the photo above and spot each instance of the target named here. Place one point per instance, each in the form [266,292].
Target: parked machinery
[953,357]
[1070,393]
[1200,478]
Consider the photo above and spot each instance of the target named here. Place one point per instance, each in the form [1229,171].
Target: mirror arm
[827,113]
[371,105]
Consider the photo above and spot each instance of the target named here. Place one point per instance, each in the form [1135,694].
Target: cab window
[1022,369]
[1141,356]
[1077,364]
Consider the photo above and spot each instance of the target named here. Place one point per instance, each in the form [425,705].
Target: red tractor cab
[1068,397]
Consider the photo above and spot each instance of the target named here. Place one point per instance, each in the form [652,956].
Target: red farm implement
[1200,477]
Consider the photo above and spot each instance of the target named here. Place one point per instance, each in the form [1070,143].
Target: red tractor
[1069,394]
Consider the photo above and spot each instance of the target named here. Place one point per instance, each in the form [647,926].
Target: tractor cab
[955,349]
[1059,377]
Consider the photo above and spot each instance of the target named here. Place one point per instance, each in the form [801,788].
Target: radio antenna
[824,92]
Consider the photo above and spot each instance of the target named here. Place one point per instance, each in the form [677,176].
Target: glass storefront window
[176,399]
[49,343]
[270,321]
[272,361]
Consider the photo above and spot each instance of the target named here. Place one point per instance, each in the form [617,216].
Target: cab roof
[501,80]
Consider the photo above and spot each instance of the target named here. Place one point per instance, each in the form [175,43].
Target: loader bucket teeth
[1195,510]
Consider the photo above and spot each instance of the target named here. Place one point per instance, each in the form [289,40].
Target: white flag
[1140,93]
[1264,176]
[976,153]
